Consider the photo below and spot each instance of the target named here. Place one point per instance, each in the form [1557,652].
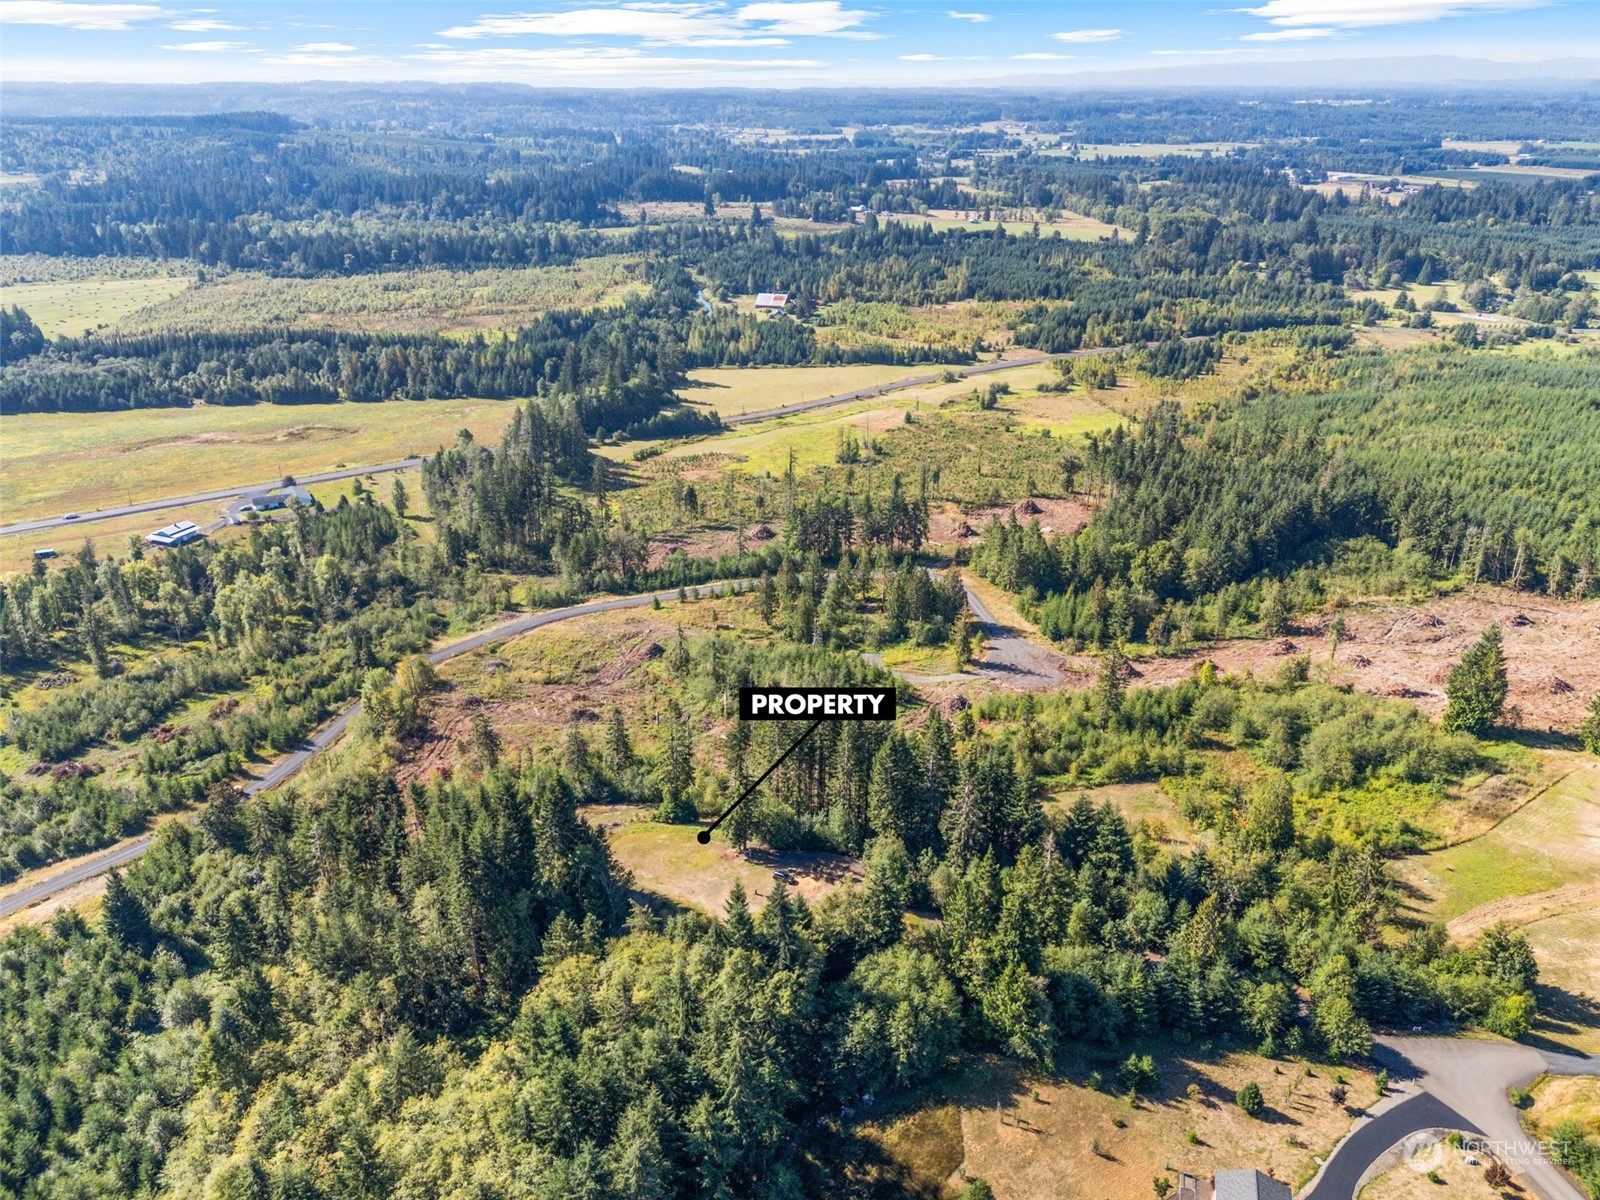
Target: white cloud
[1042,56]
[680,23]
[205,25]
[324,48]
[295,58]
[1289,35]
[1359,13]
[1235,50]
[209,47]
[975,18]
[77,16]
[608,61]
[807,18]
[944,58]
[1079,36]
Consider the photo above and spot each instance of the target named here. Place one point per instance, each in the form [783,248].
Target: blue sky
[745,42]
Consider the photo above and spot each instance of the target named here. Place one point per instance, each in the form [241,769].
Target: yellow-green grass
[667,860]
[1422,294]
[60,462]
[732,391]
[813,437]
[1071,226]
[1568,955]
[419,301]
[73,307]
[1553,841]
[1138,803]
[1034,1135]
[108,537]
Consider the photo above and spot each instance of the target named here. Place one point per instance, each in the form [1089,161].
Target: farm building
[179,533]
[771,302]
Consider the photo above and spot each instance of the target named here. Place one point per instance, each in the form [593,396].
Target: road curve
[1342,1173]
[289,765]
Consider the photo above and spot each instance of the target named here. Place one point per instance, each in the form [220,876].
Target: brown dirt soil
[1393,649]
[705,543]
[949,525]
[1030,1149]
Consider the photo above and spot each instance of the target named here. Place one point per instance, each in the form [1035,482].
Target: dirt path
[1517,911]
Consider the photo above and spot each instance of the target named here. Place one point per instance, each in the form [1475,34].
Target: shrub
[1250,1099]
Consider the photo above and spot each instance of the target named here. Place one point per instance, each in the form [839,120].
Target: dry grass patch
[1455,1177]
[1558,1098]
[1035,1136]
[667,861]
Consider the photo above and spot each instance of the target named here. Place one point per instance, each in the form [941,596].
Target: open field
[1453,1176]
[732,391]
[1148,149]
[1065,1142]
[1069,225]
[666,860]
[61,462]
[418,301]
[73,307]
[1514,870]
[853,323]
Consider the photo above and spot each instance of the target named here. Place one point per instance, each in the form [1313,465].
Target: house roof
[1248,1185]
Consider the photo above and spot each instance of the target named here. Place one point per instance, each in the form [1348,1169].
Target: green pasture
[73,307]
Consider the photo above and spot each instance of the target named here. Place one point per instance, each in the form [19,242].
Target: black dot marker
[704,836]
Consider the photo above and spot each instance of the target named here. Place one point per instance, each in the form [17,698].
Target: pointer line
[704,836]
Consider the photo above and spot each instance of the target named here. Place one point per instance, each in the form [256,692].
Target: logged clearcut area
[593,607]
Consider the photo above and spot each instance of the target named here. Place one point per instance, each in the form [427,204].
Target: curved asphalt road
[1341,1176]
[1462,1085]
[330,733]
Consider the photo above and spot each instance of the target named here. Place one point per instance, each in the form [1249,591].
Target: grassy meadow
[430,300]
[73,307]
[732,391]
[61,462]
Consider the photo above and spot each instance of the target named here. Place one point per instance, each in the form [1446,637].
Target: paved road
[1461,1085]
[286,767]
[1472,1076]
[1340,1177]
[145,506]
